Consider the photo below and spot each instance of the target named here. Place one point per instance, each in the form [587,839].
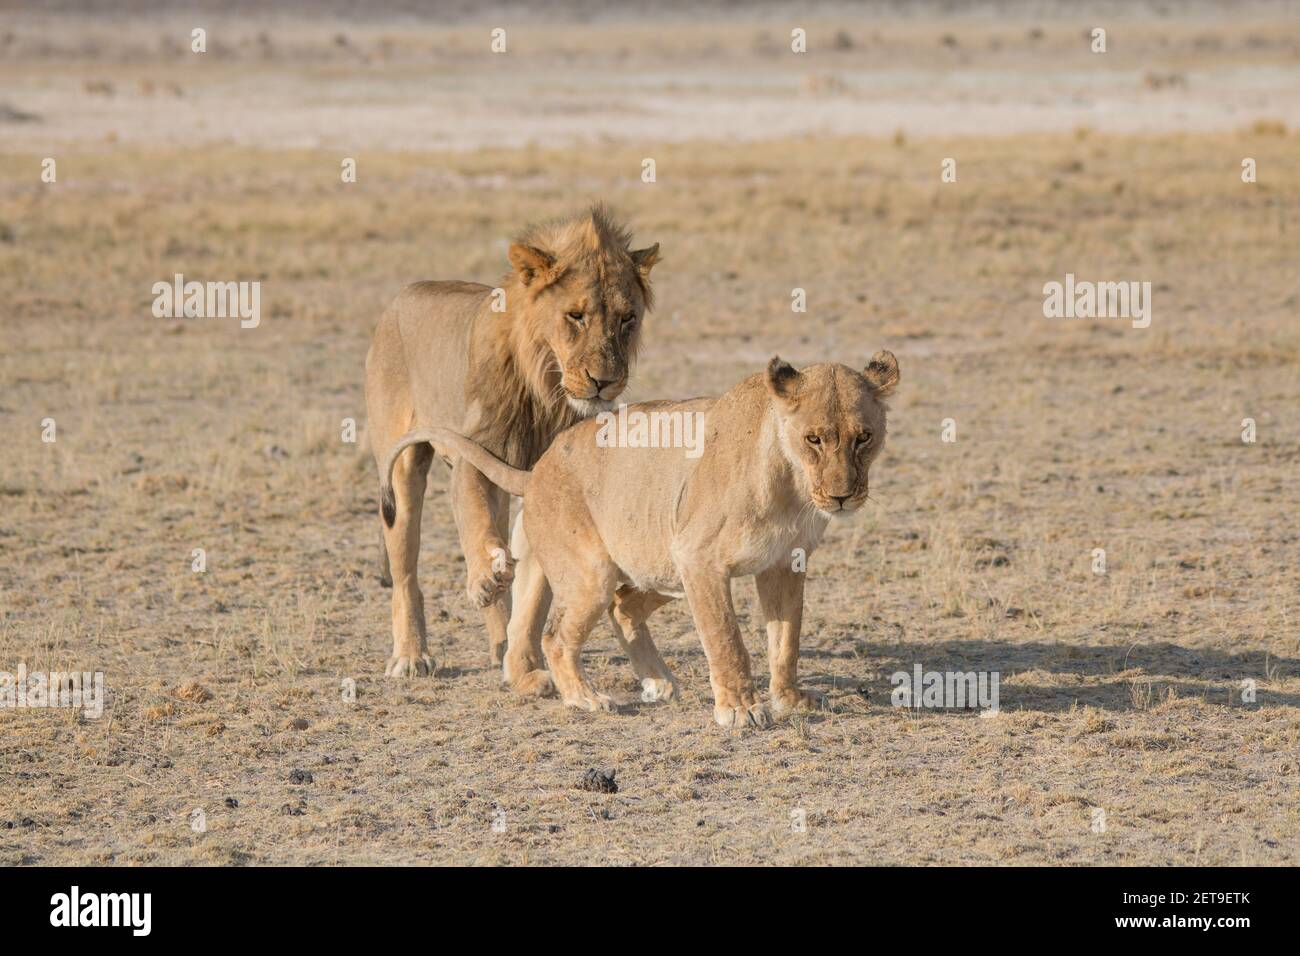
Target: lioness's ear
[531,263]
[882,373]
[645,259]
[782,378]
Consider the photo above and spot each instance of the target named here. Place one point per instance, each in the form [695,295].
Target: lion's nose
[600,383]
[840,499]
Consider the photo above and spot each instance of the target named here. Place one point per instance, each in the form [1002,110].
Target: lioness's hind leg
[628,615]
[524,669]
[567,630]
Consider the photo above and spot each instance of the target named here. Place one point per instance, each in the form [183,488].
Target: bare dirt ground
[1119,691]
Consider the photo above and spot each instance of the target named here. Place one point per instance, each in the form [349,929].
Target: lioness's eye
[575,317]
[813,440]
[629,320]
[864,440]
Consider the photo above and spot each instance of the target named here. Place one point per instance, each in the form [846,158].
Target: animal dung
[598,781]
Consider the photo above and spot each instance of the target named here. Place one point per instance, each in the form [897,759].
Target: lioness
[783,453]
[446,354]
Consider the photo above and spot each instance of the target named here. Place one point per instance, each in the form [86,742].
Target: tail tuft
[388,505]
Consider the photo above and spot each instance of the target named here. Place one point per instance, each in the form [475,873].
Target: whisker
[808,512]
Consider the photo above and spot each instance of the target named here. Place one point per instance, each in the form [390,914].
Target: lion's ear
[782,378]
[882,373]
[645,259]
[532,263]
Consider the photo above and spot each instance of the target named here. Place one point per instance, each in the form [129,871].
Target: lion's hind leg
[410,656]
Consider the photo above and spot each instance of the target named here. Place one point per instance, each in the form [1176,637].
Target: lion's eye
[629,320]
[812,439]
[864,440]
[574,317]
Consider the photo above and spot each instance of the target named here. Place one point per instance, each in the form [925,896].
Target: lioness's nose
[840,499]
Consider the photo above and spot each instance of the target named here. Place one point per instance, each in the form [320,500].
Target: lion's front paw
[654,689]
[794,698]
[535,683]
[482,590]
[739,718]
[487,584]
[410,665]
[591,700]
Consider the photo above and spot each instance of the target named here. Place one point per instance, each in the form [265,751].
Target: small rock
[301,776]
[231,803]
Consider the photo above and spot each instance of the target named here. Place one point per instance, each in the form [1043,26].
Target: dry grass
[1119,691]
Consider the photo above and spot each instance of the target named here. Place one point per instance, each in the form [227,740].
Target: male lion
[783,453]
[443,355]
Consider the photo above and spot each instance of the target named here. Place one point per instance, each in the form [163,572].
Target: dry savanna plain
[1127,732]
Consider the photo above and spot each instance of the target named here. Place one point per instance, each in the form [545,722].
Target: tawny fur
[441,356]
[784,452]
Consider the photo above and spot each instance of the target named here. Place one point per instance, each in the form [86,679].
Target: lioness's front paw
[410,665]
[738,718]
[789,699]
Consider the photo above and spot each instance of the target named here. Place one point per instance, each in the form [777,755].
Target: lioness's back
[628,487]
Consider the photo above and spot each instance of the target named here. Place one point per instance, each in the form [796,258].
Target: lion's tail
[511,480]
